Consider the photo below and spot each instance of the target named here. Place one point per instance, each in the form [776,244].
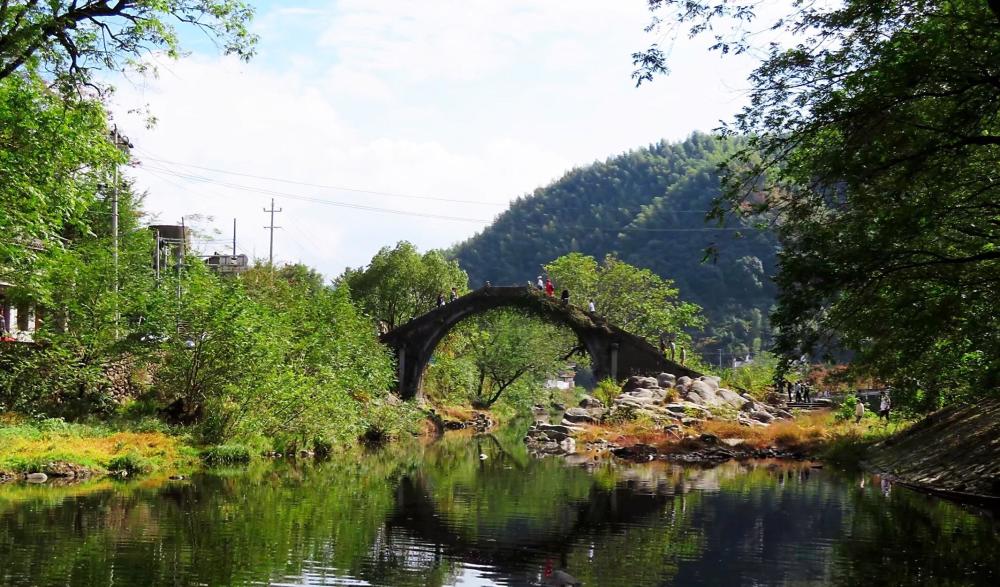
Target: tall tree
[400,283]
[876,140]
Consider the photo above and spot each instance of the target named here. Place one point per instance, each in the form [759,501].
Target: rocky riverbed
[675,406]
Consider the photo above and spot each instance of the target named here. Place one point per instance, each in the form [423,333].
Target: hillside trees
[648,208]
[876,140]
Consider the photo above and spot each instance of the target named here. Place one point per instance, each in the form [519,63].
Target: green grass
[226,454]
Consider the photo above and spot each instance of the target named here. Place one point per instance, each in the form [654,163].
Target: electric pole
[234,236]
[123,144]
[270,255]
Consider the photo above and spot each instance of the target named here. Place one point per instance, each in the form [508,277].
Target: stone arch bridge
[614,352]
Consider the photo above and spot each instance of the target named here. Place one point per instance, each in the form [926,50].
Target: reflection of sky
[463,100]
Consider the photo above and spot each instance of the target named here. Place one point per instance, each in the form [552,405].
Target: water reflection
[440,515]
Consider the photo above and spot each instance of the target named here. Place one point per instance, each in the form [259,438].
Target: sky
[375,122]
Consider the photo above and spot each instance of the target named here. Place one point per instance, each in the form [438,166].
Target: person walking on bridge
[565,297]
[454,294]
[540,283]
[591,307]
[549,288]
[440,301]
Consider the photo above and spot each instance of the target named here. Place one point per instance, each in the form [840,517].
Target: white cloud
[466,100]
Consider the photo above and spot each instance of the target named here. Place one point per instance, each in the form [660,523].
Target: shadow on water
[443,515]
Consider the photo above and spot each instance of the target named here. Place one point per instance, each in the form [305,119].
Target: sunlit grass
[31,446]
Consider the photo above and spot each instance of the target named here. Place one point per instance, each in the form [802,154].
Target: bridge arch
[613,352]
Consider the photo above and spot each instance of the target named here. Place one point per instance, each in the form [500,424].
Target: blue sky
[462,100]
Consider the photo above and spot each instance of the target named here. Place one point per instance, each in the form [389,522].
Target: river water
[442,515]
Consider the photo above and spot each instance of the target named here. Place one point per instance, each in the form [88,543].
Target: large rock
[712,380]
[642,393]
[684,381]
[638,381]
[732,398]
[762,416]
[666,380]
[590,401]
[579,415]
[701,392]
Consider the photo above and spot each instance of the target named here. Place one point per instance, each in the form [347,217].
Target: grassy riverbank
[62,449]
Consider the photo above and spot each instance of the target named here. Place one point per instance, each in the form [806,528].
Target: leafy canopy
[633,298]
[875,141]
[400,283]
[73,38]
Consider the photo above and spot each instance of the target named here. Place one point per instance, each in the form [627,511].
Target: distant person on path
[591,307]
[565,297]
[454,294]
[788,389]
[684,355]
[550,289]
[440,301]
[806,392]
[884,405]
[859,410]
[540,283]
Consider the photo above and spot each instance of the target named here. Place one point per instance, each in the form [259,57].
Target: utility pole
[122,143]
[270,255]
[234,236]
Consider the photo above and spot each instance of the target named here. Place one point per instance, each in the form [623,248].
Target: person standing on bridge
[591,307]
[540,283]
[550,289]
[565,297]
[454,294]
[440,301]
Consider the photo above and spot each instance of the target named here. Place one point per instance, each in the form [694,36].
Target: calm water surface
[439,515]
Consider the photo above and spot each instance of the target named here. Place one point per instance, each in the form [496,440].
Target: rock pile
[667,401]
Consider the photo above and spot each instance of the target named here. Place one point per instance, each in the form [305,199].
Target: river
[440,514]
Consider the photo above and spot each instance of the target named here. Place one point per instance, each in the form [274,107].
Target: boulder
[638,452]
[676,408]
[567,445]
[639,382]
[732,398]
[36,477]
[579,415]
[762,416]
[709,438]
[555,428]
[701,392]
[590,401]
[642,393]
[684,381]
[666,380]
[712,380]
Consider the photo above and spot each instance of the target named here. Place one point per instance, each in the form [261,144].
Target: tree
[635,299]
[54,157]
[400,283]
[72,38]
[507,345]
[875,144]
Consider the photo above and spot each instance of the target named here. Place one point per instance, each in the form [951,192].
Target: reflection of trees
[422,515]
[913,539]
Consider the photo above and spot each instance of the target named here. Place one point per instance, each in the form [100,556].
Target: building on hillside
[18,321]
[171,245]
[227,264]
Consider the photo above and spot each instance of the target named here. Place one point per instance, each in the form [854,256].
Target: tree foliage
[635,299]
[73,38]
[401,283]
[876,140]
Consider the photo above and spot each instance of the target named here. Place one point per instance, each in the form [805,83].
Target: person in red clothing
[549,288]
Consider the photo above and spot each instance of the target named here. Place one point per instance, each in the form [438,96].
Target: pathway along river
[440,515]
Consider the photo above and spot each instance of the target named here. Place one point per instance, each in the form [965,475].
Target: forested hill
[648,207]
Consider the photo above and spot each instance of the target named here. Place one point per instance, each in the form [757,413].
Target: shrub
[131,464]
[607,390]
[226,454]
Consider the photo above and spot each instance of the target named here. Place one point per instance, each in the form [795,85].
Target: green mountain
[646,206]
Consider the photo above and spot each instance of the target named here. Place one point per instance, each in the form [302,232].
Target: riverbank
[953,452]
[53,448]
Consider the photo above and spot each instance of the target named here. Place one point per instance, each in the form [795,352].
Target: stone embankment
[954,451]
[671,404]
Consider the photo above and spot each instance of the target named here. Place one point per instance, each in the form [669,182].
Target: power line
[246,188]
[327,186]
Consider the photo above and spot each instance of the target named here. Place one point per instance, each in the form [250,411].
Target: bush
[131,464]
[226,454]
[607,390]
